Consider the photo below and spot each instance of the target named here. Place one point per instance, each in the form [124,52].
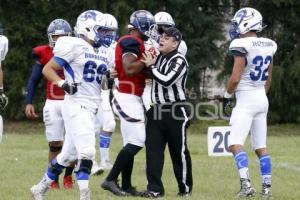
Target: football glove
[3,99]
[70,88]
[228,104]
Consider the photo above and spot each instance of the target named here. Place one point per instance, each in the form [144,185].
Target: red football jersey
[44,53]
[133,84]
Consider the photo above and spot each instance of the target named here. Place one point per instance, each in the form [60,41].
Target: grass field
[23,154]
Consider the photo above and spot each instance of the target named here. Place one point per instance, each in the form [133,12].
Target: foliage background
[204,24]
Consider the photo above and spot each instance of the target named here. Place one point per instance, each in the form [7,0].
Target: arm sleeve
[177,68]
[36,76]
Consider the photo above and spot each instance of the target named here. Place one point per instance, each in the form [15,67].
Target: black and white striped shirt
[169,78]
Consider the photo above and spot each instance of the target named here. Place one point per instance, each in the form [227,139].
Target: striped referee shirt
[169,78]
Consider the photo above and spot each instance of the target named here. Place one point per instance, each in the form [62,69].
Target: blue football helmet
[141,20]
[58,27]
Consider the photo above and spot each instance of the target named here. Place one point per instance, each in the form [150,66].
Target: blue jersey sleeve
[36,76]
[130,45]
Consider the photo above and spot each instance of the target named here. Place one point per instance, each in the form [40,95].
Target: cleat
[68,182]
[54,185]
[96,170]
[184,194]
[105,166]
[151,194]
[113,187]
[85,194]
[266,191]
[133,192]
[38,191]
[246,189]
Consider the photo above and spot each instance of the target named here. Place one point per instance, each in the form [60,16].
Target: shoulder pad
[239,47]
[130,45]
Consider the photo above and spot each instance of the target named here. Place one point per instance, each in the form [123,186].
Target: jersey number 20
[261,72]
[91,72]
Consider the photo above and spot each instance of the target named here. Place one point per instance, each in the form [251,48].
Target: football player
[84,64]
[249,82]
[105,119]
[3,97]
[162,20]
[52,112]
[127,102]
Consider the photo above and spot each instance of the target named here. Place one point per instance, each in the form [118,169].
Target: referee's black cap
[171,32]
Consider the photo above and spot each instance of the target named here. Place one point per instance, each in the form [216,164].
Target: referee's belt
[169,105]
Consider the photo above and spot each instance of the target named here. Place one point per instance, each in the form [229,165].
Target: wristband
[227,95]
[60,83]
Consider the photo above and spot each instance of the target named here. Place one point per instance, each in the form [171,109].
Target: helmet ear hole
[245,24]
[87,29]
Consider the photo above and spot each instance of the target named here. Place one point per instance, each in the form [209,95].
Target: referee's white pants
[249,114]
[80,133]
[129,109]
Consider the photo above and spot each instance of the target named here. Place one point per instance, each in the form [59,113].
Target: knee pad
[132,149]
[54,149]
[109,126]
[87,153]
[84,166]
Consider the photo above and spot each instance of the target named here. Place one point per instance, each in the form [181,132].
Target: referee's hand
[149,58]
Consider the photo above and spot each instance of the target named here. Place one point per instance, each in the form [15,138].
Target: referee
[167,119]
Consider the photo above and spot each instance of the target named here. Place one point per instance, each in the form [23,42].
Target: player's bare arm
[269,80]
[131,65]
[238,68]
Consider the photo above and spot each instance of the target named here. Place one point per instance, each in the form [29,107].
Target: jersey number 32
[261,68]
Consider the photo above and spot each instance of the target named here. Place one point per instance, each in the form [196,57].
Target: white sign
[217,141]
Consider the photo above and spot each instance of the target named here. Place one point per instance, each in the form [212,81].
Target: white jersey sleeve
[258,53]
[3,47]
[66,48]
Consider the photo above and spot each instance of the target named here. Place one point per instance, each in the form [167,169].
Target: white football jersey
[3,47]
[258,52]
[82,64]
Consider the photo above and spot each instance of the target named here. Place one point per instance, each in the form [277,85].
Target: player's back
[259,52]
[83,64]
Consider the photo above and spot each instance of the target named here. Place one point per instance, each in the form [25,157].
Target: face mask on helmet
[57,28]
[107,30]
[142,20]
[245,20]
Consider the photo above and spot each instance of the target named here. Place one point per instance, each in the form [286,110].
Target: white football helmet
[88,24]
[182,48]
[164,18]
[108,28]
[58,27]
[245,20]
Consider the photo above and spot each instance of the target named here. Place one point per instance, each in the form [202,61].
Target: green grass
[23,154]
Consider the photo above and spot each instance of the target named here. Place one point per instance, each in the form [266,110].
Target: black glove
[3,99]
[228,104]
[70,88]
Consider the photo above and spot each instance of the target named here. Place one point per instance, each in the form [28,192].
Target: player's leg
[240,122]
[108,128]
[55,168]
[84,141]
[259,136]
[54,133]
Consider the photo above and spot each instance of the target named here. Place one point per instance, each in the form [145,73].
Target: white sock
[104,154]
[244,173]
[83,184]
[267,179]
[46,180]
